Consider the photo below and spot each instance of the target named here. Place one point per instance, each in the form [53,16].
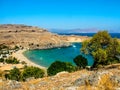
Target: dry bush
[105,83]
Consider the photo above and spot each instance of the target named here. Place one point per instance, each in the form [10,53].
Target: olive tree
[103,48]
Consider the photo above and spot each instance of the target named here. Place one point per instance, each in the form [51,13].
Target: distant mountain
[77,30]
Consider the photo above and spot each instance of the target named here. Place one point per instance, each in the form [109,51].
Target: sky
[62,14]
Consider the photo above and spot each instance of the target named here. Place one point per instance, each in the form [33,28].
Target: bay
[48,56]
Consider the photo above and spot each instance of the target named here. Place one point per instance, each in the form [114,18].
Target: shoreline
[19,55]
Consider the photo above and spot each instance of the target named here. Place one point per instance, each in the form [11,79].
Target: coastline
[19,55]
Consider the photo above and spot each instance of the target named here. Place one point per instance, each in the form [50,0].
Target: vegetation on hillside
[1,60]
[12,60]
[104,49]
[14,74]
[3,46]
[80,61]
[27,72]
[32,72]
[59,66]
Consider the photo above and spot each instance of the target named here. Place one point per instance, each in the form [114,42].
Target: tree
[59,66]
[114,48]
[100,40]
[80,61]
[84,48]
[113,51]
[103,48]
[100,57]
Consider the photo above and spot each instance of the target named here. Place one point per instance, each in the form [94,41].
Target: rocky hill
[33,37]
[102,79]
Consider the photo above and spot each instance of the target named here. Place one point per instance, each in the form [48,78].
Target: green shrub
[23,62]
[1,60]
[14,74]
[80,61]
[12,60]
[16,47]
[2,46]
[59,66]
[32,72]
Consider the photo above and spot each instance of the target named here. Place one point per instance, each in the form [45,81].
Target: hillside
[102,79]
[75,30]
[34,37]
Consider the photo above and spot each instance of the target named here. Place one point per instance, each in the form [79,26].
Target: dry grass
[64,80]
[105,83]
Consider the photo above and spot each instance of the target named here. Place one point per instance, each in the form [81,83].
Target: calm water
[46,57]
[114,35]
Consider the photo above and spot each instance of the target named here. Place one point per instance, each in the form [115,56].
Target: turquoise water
[48,56]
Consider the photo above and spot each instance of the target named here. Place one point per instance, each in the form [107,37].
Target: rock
[30,78]
[117,88]
[92,79]
[71,88]
[1,80]
[14,84]
[116,79]
[79,82]
[31,87]
[43,83]
[63,72]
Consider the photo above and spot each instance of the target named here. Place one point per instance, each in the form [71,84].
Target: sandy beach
[19,55]
[73,38]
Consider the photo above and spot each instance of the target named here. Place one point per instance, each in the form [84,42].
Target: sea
[66,54]
[113,35]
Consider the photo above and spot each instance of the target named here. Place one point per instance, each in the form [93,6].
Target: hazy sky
[62,14]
